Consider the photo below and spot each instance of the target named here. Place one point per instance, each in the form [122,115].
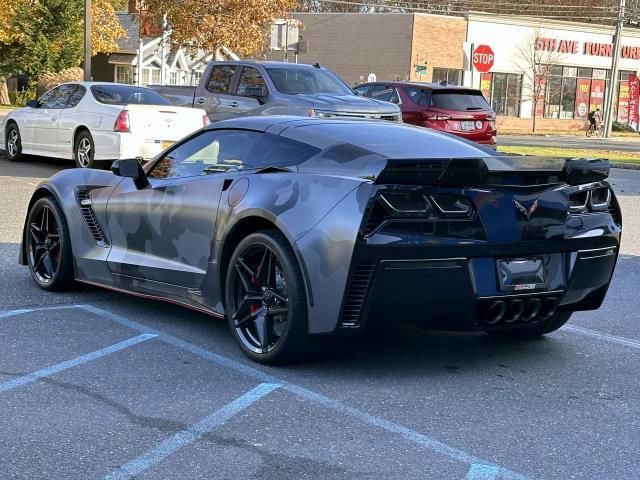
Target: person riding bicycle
[595,118]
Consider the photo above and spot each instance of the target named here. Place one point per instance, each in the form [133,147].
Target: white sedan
[92,122]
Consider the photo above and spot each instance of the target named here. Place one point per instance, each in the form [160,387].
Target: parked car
[295,227]
[92,122]
[236,88]
[458,110]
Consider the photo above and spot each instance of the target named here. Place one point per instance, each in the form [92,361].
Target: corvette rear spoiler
[513,171]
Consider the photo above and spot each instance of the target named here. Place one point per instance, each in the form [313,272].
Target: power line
[459,9]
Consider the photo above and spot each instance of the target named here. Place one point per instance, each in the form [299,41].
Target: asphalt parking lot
[94,384]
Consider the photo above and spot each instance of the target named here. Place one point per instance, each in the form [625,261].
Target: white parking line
[406,433]
[627,342]
[59,367]
[191,434]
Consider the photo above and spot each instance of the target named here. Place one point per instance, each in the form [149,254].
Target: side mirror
[131,168]
[259,93]
[33,104]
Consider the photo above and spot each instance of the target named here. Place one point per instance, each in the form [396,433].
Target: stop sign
[483,58]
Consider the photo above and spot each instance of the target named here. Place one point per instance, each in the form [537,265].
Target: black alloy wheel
[265,299]
[48,246]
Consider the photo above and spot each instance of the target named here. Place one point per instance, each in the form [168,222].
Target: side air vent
[84,201]
[357,294]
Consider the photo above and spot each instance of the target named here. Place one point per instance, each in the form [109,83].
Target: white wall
[503,38]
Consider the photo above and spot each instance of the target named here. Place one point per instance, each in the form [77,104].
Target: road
[569,142]
[95,384]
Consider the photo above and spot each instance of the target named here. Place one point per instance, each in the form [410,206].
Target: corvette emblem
[527,212]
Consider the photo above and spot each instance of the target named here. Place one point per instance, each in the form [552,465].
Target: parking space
[94,384]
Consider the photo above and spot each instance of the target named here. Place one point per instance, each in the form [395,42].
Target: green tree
[38,36]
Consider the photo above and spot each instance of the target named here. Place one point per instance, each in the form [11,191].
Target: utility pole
[613,80]
[87,40]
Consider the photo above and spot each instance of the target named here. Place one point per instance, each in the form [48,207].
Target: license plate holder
[467,125]
[521,274]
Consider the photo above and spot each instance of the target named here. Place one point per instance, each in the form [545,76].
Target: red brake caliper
[256,307]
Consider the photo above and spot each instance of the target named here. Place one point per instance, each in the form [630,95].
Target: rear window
[459,100]
[126,94]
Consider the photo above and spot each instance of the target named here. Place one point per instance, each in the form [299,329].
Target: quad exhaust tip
[520,310]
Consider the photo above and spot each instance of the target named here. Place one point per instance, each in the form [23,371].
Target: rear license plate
[166,144]
[467,125]
[521,274]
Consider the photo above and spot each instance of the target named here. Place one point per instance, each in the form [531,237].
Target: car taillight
[122,122]
[435,116]
[205,121]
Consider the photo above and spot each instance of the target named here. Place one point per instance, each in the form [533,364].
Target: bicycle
[594,129]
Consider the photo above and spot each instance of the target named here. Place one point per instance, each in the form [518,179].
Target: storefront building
[574,58]
[570,62]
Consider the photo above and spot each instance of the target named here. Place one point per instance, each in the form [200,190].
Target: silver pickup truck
[234,88]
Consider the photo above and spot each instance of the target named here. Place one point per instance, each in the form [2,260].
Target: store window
[572,92]
[504,91]
[124,74]
[449,75]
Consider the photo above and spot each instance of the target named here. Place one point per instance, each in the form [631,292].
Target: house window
[449,75]
[124,74]
[195,78]
[173,77]
[150,76]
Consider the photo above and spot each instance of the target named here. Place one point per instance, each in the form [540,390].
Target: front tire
[84,151]
[266,302]
[48,246]
[13,143]
[534,331]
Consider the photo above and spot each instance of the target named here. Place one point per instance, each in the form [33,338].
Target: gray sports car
[296,227]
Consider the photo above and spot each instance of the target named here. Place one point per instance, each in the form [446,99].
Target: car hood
[349,104]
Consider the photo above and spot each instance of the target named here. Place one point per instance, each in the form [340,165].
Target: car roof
[98,84]
[425,85]
[386,139]
[269,63]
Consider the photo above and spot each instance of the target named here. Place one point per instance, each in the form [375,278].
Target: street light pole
[613,80]
[87,40]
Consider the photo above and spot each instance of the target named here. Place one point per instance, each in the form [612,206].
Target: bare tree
[535,56]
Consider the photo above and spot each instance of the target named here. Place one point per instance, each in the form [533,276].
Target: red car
[457,110]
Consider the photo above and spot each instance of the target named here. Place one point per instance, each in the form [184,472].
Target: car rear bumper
[459,293]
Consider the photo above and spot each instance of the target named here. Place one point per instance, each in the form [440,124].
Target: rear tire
[13,143]
[84,151]
[265,300]
[535,331]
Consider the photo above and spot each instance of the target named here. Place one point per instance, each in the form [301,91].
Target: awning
[123,59]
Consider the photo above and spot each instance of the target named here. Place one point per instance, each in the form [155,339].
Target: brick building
[421,47]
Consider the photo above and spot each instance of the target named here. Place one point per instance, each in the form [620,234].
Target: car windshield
[126,94]
[459,100]
[307,80]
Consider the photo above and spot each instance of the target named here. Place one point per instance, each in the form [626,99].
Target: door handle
[200,101]
[234,104]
